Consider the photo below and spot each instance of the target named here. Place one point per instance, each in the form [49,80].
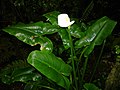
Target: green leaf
[38,28]
[117,48]
[102,35]
[91,33]
[25,74]
[51,66]
[65,38]
[32,86]
[22,71]
[76,31]
[52,17]
[90,86]
[31,33]
[95,34]
[47,45]
[21,74]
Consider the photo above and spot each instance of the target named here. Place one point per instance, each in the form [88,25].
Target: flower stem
[72,56]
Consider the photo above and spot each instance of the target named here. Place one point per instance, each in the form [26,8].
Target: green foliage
[65,38]
[90,86]
[51,17]
[95,34]
[51,66]
[19,71]
[32,33]
[117,51]
[85,36]
[117,48]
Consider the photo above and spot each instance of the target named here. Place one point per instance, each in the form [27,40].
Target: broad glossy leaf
[21,74]
[90,86]
[52,17]
[25,74]
[65,38]
[32,86]
[102,35]
[46,45]
[76,31]
[42,28]
[105,31]
[96,33]
[38,28]
[91,33]
[30,36]
[22,71]
[89,49]
[51,66]
[27,77]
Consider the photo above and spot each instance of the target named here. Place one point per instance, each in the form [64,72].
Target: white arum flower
[64,20]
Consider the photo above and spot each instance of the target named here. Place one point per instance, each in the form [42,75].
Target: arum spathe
[64,20]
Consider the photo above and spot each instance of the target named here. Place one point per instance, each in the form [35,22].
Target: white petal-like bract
[64,20]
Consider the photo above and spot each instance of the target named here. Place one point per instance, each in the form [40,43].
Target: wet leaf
[21,74]
[51,66]
[95,34]
[32,33]
[65,38]
[76,31]
[90,86]
[52,17]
